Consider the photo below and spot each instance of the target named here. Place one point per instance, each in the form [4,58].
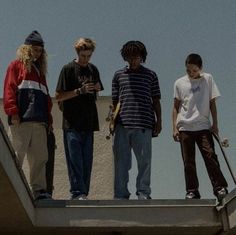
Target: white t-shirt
[194,96]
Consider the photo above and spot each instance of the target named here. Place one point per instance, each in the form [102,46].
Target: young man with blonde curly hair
[78,83]
[28,106]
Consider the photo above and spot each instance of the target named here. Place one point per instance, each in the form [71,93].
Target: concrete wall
[102,176]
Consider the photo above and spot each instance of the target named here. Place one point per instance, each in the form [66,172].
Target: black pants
[51,144]
[205,143]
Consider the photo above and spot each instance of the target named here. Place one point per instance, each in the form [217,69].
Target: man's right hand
[87,88]
[15,119]
[176,135]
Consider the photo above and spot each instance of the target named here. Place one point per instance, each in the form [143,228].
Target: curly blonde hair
[25,54]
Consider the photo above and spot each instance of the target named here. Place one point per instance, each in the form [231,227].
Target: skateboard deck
[112,118]
[218,140]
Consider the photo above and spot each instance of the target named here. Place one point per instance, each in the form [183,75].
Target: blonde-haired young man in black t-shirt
[78,83]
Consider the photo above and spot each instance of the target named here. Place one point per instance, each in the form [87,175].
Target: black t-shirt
[80,112]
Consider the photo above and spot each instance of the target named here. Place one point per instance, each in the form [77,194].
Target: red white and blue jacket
[26,94]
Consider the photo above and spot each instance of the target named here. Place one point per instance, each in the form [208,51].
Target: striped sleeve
[156,91]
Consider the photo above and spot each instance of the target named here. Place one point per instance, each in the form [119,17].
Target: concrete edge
[16,176]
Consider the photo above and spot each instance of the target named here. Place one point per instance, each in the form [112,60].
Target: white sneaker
[142,196]
[80,197]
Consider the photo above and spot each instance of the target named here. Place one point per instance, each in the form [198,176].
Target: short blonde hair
[84,44]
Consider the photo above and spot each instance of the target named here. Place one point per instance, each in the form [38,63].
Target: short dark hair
[194,59]
[134,48]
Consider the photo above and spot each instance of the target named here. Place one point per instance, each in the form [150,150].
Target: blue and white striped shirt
[135,90]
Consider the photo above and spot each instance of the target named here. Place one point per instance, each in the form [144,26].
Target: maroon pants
[205,143]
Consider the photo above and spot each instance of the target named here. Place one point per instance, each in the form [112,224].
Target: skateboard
[112,118]
[223,144]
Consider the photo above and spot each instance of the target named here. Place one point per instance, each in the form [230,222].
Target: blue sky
[170,29]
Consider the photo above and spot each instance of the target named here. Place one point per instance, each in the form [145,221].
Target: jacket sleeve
[10,90]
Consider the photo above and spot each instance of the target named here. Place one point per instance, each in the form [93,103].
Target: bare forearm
[175,111]
[87,88]
[158,123]
[65,95]
[214,126]
[157,109]
[174,118]
[214,113]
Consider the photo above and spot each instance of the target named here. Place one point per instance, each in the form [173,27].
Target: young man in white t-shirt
[194,101]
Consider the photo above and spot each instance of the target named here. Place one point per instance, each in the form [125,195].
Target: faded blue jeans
[140,140]
[79,158]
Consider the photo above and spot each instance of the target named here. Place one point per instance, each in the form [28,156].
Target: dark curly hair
[134,48]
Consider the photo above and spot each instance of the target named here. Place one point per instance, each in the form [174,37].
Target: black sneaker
[221,193]
[41,195]
[193,195]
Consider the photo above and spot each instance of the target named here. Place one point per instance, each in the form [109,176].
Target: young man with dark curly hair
[136,89]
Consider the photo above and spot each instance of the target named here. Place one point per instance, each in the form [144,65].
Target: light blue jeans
[140,140]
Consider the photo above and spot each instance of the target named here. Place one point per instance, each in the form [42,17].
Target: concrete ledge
[228,212]
[16,203]
[125,214]
[126,203]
